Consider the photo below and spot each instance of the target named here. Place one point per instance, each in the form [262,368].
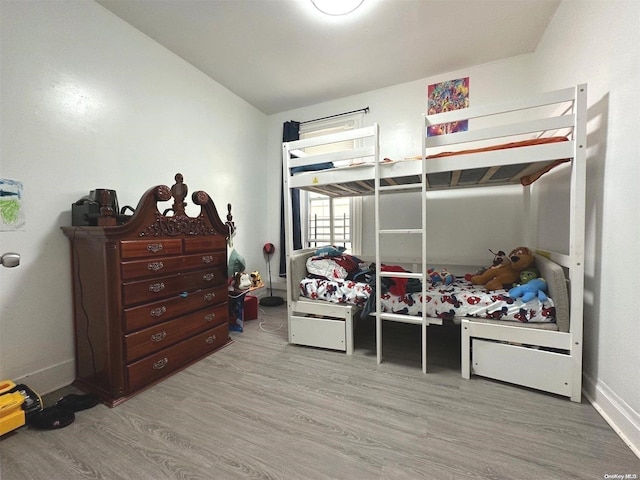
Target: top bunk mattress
[486,166]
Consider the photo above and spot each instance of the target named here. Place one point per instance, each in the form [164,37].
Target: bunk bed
[511,143]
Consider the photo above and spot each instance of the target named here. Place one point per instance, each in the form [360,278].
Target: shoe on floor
[50,418]
[75,403]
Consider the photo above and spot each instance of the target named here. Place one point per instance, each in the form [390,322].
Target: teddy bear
[507,273]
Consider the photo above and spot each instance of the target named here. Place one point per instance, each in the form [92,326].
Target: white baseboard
[277,284]
[616,412]
[49,379]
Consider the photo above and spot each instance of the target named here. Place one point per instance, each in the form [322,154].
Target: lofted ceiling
[279,55]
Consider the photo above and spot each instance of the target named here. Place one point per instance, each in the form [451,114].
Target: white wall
[595,42]
[398,110]
[90,102]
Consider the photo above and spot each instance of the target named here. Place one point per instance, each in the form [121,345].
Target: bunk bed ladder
[422,320]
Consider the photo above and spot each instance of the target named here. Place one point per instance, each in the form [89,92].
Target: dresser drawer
[145,342]
[158,365]
[211,259]
[149,314]
[166,265]
[161,287]
[204,244]
[149,248]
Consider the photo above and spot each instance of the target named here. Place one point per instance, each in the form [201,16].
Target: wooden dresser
[150,295]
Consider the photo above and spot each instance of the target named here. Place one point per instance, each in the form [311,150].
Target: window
[326,220]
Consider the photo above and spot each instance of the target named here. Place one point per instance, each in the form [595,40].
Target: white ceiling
[283,54]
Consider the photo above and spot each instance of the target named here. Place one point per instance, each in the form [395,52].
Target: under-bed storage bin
[319,332]
[322,324]
[539,369]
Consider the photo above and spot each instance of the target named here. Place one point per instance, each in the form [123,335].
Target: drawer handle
[209,296]
[160,364]
[156,312]
[207,258]
[154,247]
[158,337]
[210,316]
[207,277]
[156,287]
[155,266]
[211,339]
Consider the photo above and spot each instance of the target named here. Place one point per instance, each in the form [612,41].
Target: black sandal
[50,418]
[75,403]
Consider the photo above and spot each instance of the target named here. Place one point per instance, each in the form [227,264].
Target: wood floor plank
[263,409]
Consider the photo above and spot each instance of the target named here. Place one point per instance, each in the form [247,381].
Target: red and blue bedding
[335,277]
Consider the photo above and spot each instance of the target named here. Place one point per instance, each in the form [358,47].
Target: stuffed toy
[499,259]
[256,280]
[241,281]
[536,287]
[506,274]
[235,264]
[443,276]
[527,275]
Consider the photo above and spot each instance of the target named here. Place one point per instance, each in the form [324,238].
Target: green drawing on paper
[11,205]
[9,209]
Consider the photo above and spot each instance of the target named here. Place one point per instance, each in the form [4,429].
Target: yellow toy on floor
[11,413]
[16,403]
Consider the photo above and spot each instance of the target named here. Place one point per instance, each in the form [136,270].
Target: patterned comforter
[460,299]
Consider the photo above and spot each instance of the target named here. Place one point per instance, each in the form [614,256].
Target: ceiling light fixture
[337,7]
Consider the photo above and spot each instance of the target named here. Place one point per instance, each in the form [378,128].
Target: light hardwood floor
[263,409]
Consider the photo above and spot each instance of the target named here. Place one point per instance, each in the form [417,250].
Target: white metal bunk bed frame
[509,353]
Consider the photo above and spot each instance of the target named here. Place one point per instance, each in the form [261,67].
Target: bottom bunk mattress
[459,299]
[336,291]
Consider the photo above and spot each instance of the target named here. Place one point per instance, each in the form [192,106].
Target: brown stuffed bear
[507,273]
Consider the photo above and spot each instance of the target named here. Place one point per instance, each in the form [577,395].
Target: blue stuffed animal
[535,287]
[443,276]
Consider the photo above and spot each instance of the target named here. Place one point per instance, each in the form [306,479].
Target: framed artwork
[444,97]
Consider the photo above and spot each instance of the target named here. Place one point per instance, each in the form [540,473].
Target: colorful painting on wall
[11,205]
[444,97]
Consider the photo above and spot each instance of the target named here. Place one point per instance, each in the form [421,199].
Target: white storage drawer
[539,369]
[318,332]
